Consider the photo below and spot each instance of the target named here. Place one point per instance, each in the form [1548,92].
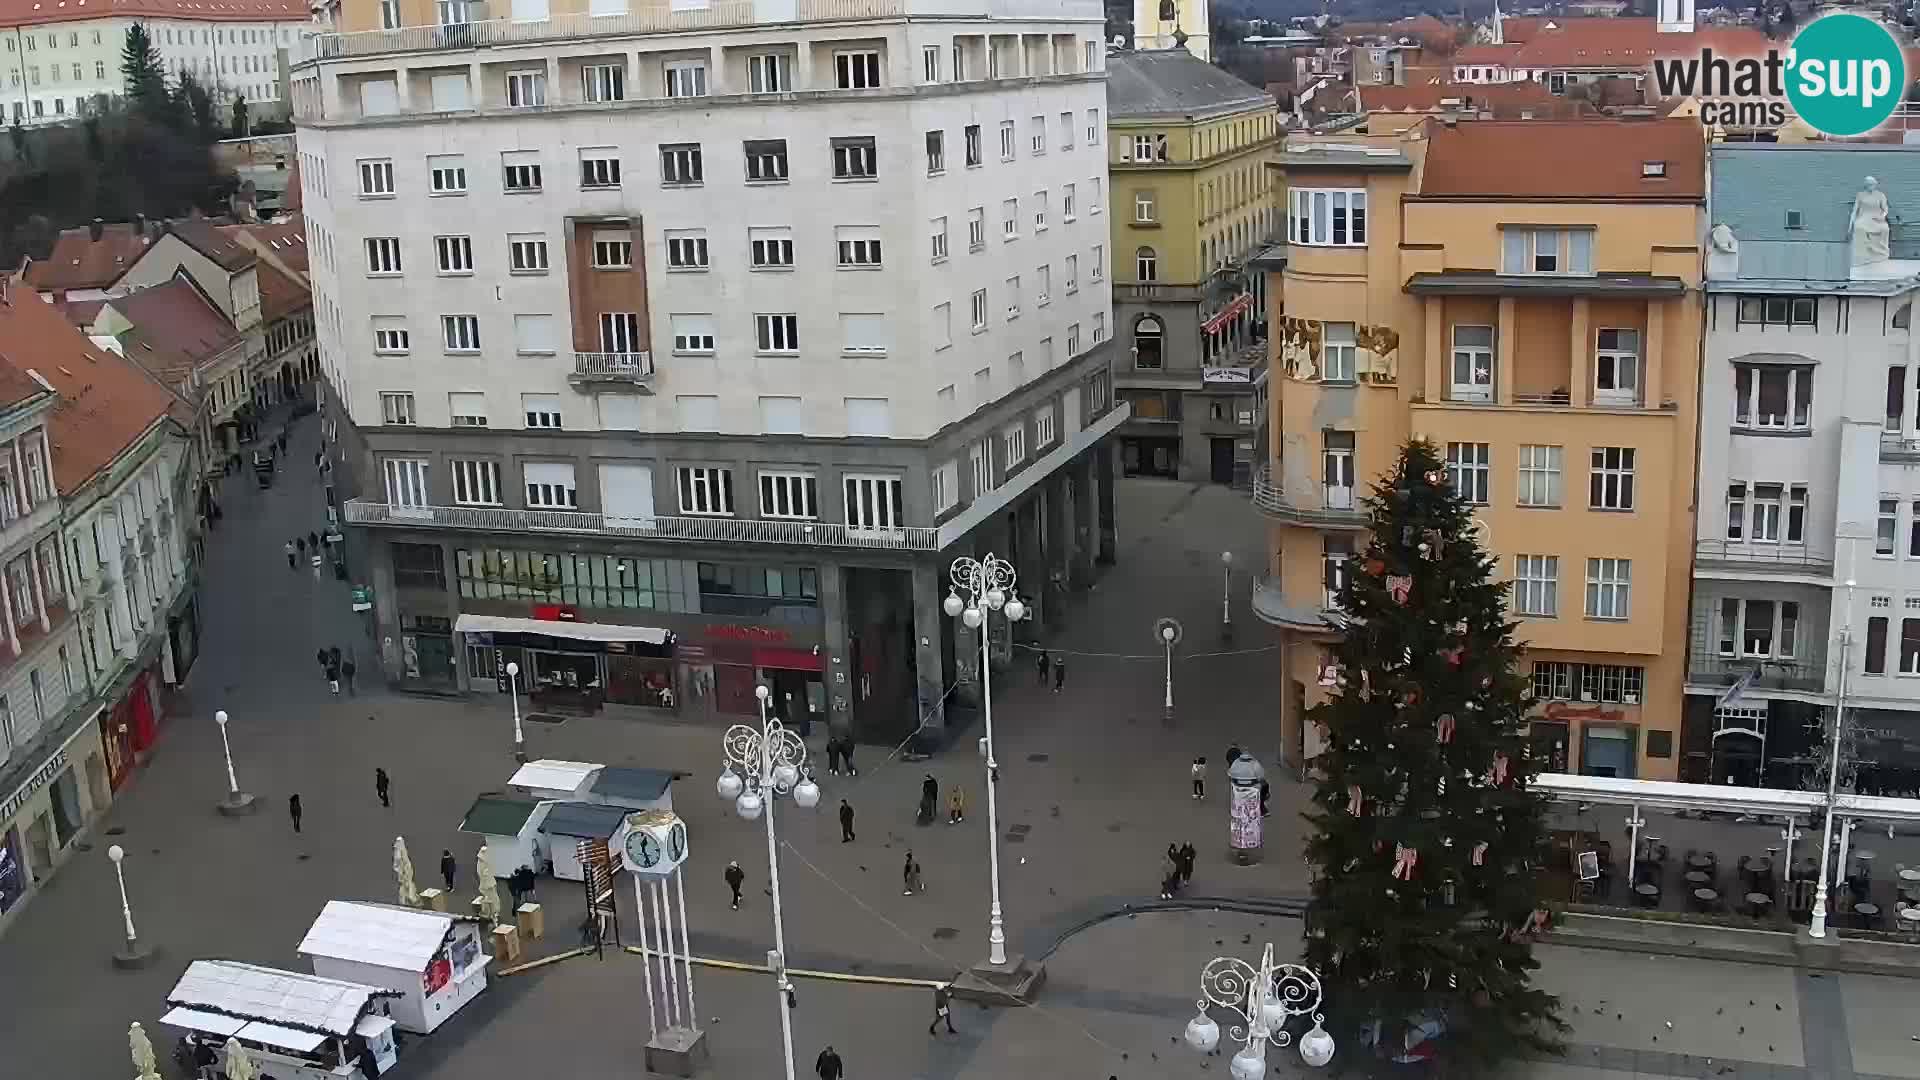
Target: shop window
[585,580]
[418,566]
[784,593]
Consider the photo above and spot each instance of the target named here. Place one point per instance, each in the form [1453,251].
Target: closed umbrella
[403,870]
[143,1060]
[239,1063]
[489,886]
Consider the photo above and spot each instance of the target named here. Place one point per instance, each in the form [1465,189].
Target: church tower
[1155,22]
[1676,16]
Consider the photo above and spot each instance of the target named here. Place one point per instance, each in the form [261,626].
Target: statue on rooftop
[1867,226]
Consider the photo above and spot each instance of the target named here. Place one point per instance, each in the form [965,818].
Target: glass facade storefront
[595,581]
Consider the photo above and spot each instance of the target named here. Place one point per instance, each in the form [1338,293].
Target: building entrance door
[1221,450]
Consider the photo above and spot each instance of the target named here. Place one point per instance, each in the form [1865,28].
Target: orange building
[1526,296]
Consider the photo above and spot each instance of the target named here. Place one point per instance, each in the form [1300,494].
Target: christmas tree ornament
[1444,728]
[1376,567]
[1480,853]
[1453,655]
[1446,841]
[1497,775]
[1404,860]
[1356,800]
[1423,549]
[1453,980]
[1436,478]
[1399,586]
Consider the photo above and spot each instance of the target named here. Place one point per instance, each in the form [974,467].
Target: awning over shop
[787,659]
[576,631]
[198,1020]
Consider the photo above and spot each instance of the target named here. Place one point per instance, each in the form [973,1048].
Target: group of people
[1179,869]
[930,797]
[1055,663]
[336,667]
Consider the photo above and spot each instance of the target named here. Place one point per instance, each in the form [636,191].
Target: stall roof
[621,782]
[285,1038]
[498,815]
[383,935]
[584,821]
[286,999]
[196,1020]
[554,775]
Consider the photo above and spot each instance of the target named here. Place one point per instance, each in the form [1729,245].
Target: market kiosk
[296,1026]
[432,960]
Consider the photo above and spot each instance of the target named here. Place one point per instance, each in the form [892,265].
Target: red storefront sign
[1234,307]
[555,613]
[1565,710]
[788,659]
[744,632]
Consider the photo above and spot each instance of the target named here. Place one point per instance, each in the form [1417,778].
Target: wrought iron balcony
[725,530]
[1808,676]
[625,368]
[1762,559]
[1338,509]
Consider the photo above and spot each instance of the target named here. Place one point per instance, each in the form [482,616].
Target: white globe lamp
[996,598]
[1273,1014]
[784,777]
[806,794]
[1251,1062]
[1016,610]
[951,605]
[762,692]
[972,618]
[730,784]
[749,805]
[1316,1047]
[1203,1034]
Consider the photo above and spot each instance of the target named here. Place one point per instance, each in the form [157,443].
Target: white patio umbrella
[143,1061]
[403,870]
[239,1063]
[489,885]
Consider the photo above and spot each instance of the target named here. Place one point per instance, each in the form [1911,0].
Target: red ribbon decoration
[1480,853]
[1445,728]
[1404,860]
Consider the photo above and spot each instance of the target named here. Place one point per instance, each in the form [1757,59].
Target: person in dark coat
[827,1066]
[1059,672]
[1265,790]
[323,658]
[333,654]
[846,755]
[833,755]
[942,1011]
[347,669]
[1187,855]
[1041,664]
[293,810]
[333,678]
[929,794]
[736,877]
[846,822]
[382,786]
[313,541]
[300,542]
[291,564]
[447,868]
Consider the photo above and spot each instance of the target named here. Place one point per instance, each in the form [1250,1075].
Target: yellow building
[1526,296]
[1194,203]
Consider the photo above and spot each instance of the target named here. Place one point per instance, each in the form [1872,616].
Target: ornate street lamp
[1264,999]
[981,586]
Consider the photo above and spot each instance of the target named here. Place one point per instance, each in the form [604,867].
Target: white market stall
[548,778]
[633,788]
[510,828]
[296,1025]
[433,959]
[568,823]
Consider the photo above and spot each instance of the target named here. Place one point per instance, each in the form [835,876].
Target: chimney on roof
[140,225]
[96,230]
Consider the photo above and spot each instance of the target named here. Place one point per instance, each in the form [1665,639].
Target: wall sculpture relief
[1376,350]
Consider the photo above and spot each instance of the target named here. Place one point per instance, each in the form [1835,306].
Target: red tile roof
[1562,160]
[174,330]
[1632,44]
[40,12]
[200,235]
[80,262]
[25,344]
[1486,54]
[280,294]
[287,240]
[1420,97]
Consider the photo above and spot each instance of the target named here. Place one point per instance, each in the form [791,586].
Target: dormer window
[1793,220]
[1651,170]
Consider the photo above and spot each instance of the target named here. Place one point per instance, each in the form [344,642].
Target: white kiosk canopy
[266,1005]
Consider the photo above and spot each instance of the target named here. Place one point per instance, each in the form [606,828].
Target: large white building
[1808,454]
[716,332]
[59,55]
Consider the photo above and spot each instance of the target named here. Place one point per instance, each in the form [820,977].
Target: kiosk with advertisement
[298,1026]
[432,959]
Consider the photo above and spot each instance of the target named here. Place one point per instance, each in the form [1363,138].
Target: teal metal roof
[1756,186]
[498,815]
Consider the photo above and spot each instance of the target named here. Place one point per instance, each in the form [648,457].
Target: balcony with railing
[1894,448]
[1712,670]
[1335,507]
[1270,603]
[724,530]
[627,369]
[1747,559]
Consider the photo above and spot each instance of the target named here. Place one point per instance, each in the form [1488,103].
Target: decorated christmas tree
[1427,844]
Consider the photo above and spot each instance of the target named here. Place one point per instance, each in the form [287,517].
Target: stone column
[1086,522]
[1109,525]
[929,590]
[1059,553]
[842,680]
[1032,564]
[1580,354]
[386,609]
[6,608]
[1503,346]
[39,588]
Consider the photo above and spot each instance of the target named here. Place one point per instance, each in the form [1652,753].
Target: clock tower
[1157,22]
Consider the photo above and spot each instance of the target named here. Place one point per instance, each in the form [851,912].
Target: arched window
[1147,339]
[1146,265]
[1903,318]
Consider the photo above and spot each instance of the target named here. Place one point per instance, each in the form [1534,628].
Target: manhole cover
[1039,757]
[1016,837]
[545,718]
[945,933]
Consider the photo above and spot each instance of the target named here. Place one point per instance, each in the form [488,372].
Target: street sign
[362,598]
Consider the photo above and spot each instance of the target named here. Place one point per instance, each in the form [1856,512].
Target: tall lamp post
[980,587]
[1263,999]
[519,737]
[771,762]
[237,802]
[134,953]
[1226,595]
[1817,927]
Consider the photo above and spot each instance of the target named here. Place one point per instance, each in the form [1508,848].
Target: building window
[1547,251]
[680,164]
[1539,476]
[1472,363]
[979,309]
[687,250]
[1887,526]
[874,502]
[1875,662]
[792,496]
[521,172]
[1610,483]
[475,483]
[854,159]
[455,254]
[1145,209]
[1149,340]
[1013,445]
[1609,588]
[1094,187]
[460,333]
[938,235]
[692,333]
[974,156]
[1145,148]
[550,486]
[467,409]
[858,246]
[1758,628]
[1146,265]
[542,411]
[777,333]
[1778,311]
[1068,211]
[772,248]
[976,228]
[407,483]
[686,78]
[1337,469]
[936,152]
[705,491]
[1326,217]
[1040,211]
[770,73]
[383,255]
[930,63]
[527,253]
[1536,585]
[1037,135]
[447,175]
[1772,397]
[766,160]
[1337,353]
[1616,368]
[1470,468]
[1558,680]
[1910,646]
[389,337]
[376,178]
[526,89]
[599,167]
[612,249]
[946,487]
[604,82]
[397,408]
[856,70]
[620,332]
[1007,140]
[1010,219]
[980,468]
[1335,552]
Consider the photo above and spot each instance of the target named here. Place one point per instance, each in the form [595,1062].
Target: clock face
[642,849]
[677,841]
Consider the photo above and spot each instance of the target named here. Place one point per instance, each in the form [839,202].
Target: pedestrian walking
[736,877]
[827,1066]
[909,876]
[956,805]
[333,679]
[1170,884]
[1187,855]
[1265,790]
[314,561]
[1059,672]
[1041,664]
[291,564]
[282,440]
[846,822]
[833,755]
[382,786]
[942,1011]
[293,810]
[313,540]
[333,656]
[448,868]
[846,755]
[929,794]
[300,542]
[323,658]
[347,669]
[1199,772]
